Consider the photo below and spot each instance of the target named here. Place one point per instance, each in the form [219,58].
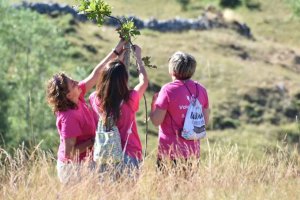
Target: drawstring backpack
[107,146]
[194,122]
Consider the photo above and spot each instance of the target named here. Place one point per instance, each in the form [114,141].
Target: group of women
[76,121]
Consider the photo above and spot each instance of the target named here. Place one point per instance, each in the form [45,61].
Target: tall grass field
[223,173]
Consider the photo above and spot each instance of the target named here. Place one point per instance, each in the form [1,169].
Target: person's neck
[175,79]
[75,100]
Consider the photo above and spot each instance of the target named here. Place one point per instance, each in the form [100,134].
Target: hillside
[252,148]
[252,84]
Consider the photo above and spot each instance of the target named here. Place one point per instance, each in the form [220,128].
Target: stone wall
[203,22]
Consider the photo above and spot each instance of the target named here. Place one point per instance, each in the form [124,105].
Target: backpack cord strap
[146,123]
[172,123]
[125,146]
[197,92]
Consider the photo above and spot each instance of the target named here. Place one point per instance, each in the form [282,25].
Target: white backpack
[194,123]
[107,146]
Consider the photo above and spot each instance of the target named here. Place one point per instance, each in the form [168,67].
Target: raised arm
[91,80]
[143,78]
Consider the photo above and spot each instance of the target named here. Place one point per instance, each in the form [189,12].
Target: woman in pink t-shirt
[74,119]
[113,98]
[169,108]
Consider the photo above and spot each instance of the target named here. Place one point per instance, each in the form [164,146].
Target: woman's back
[174,98]
[113,100]
[126,123]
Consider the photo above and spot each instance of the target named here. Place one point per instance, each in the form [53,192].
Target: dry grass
[224,173]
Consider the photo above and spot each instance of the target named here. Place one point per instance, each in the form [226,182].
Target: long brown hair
[57,90]
[111,90]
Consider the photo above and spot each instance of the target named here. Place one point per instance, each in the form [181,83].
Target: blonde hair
[182,65]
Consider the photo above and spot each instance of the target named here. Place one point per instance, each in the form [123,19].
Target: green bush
[289,133]
[295,5]
[184,4]
[230,3]
[31,49]
[250,4]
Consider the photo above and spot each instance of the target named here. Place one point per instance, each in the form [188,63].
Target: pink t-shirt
[75,123]
[126,124]
[173,97]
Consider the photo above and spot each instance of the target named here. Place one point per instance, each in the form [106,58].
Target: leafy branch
[97,10]
[128,30]
[147,62]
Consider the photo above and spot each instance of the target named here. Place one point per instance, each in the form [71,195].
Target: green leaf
[95,10]
[147,62]
[93,5]
[128,30]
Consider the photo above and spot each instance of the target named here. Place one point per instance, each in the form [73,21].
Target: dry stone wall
[203,22]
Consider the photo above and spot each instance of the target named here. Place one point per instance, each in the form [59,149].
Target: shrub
[184,4]
[31,49]
[295,5]
[230,3]
[250,4]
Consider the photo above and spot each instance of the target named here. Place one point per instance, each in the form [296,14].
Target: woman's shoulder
[200,85]
[94,101]
[82,86]
[169,86]
[92,96]
[66,115]
[132,101]
[133,94]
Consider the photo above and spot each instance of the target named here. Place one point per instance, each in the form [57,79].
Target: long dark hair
[111,90]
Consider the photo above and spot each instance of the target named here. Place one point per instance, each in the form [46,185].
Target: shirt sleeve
[162,101]
[92,100]
[70,126]
[134,100]
[82,86]
[206,102]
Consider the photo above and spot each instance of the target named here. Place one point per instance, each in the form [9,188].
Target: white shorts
[67,171]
